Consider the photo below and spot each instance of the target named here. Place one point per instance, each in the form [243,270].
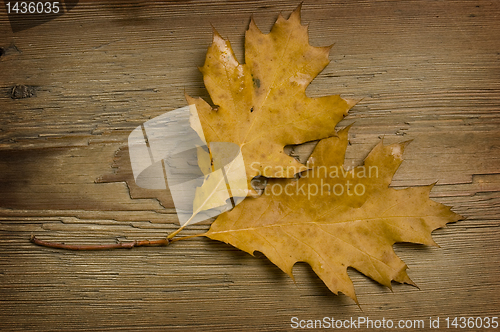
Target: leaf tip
[189,99]
[406,143]
[351,102]
[355,299]
[295,15]
[342,134]
[298,8]
[215,34]
[410,282]
[359,306]
[252,26]
[346,128]
[399,148]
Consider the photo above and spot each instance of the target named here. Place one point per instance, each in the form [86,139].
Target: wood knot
[22,91]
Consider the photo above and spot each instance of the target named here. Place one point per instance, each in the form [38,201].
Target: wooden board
[426,70]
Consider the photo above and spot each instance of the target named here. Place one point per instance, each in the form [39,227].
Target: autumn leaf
[333,218]
[262,105]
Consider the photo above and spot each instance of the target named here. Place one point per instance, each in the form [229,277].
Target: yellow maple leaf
[333,218]
[262,105]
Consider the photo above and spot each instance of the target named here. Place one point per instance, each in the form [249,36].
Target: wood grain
[426,70]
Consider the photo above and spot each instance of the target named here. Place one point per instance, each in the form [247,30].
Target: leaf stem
[120,245]
[177,231]
[187,237]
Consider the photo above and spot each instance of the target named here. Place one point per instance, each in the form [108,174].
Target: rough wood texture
[427,70]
